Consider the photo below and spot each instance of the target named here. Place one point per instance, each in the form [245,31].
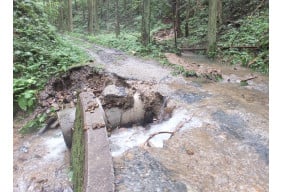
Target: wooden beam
[232,47]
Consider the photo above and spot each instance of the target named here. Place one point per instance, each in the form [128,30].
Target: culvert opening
[124,104]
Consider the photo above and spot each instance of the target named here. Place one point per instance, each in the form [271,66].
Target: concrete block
[98,167]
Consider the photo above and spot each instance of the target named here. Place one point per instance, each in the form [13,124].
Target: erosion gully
[221,142]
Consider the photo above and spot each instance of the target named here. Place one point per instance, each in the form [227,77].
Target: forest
[141,95]
[231,31]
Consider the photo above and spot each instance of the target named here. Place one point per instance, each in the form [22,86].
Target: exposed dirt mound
[112,90]
[195,68]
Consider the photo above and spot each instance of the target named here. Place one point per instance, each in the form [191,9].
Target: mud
[41,163]
[221,145]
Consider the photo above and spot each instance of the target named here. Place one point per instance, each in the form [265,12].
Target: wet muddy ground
[221,145]
[41,163]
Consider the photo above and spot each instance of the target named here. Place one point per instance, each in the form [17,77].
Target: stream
[221,143]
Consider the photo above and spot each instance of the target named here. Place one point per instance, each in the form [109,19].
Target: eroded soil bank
[221,145]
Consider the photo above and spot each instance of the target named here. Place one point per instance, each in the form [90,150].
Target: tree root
[177,129]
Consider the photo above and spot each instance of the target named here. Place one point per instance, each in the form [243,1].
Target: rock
[43,95]
[55,106]
[45,104]
[114,96]
[115,91]
[66,119]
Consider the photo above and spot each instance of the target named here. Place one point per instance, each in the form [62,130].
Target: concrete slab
[98,167]
[66,120]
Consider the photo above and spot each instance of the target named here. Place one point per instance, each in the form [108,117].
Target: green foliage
[130,43]
[253,31]
[180,70]
[34,124]
[38,52]
[246,30]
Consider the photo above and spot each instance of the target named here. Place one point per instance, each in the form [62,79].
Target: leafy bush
[38,52]
[130,43]
[253,31]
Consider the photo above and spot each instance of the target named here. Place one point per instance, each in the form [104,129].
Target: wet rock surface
[222,143]
[66,120]
[138,170]
[236,127]
[41,163]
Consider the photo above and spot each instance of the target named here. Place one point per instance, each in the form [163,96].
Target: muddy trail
[209,136]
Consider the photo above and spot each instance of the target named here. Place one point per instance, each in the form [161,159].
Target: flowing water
[220,133]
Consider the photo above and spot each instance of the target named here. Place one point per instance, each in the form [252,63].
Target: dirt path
[224,145]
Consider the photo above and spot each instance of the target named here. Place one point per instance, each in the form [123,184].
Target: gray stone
[98,165]
[114,90]
[113,117]
[66,119]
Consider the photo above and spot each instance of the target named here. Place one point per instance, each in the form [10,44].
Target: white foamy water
[123,139]
[55,147]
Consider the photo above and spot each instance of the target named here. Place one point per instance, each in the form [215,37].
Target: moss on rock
[77,152]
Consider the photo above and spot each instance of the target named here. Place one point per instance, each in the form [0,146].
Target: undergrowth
[250,30]
[130,43]
[253,31]
[38,53]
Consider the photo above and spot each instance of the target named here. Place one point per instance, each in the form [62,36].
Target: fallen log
[247,79]
[231,47]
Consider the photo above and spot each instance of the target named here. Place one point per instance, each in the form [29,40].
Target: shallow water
[223,146]
[44,163]
[126,138]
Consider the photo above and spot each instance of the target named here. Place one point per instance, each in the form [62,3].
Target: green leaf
[30,102]
[22,103]
[29,94]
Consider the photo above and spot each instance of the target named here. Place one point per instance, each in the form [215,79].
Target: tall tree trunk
[177,19]
[124,5]
[61,16]
[90,16]
[75,5]
[117,28]
[83,13]
[187,19]
[145,28]
[70,24]
[212,26]
[219,12]
[107,14]
[96,21]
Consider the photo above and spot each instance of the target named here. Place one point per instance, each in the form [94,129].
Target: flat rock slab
[66,119]
[98,167]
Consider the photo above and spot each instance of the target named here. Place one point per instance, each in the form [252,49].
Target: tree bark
[177,19]
[70,23]
[107,14]
[219,12]
[96,21]
[117,28]
[212,26]
[61,16]
[75,5]
[187,19]
[145,28]
[90,16]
